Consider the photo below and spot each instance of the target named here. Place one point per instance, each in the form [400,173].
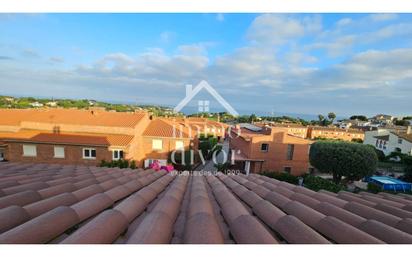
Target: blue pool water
[390,184]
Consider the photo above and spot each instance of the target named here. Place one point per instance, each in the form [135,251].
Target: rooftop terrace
[42,203]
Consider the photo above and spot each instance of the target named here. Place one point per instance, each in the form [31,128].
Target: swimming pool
[390,184]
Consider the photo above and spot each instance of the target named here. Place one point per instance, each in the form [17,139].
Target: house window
[264,147]
[29,150]
[89,153]
[117,154]
[180,145]
[289,155]
[157,144]
[287,169]
[399,140]
[58,152]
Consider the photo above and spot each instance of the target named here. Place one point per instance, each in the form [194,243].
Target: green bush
[373,188]
[312,182]
[352,160]
[222,167]
[122,164]
[380,154]
[357,140]
[282,176]
[133,164]
[317,183]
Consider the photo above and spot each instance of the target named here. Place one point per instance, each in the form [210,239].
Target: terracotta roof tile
[25,187]
[342,214]
[247,230]
[92,205]
[70,116]
[67,138]
[40,207]
[12,216]
[20,199]
[43,228]
[295,231]
[343,233]
[164,128]
[386,233]
[371,213]
[100,233]
[144,206]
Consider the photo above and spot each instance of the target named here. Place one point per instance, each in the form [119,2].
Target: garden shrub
[317,183]
[282,176]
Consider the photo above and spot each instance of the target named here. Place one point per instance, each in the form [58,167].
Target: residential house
[382,119]
[73,136]
[162,137]
[36,104]
[390,140]
[290,128]
[346,124]
[315,132]
[52,103]
[256,149]
[69,136]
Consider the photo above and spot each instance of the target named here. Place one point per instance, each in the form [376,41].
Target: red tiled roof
[165,128]
[14,117]
[66,138]
[42,203]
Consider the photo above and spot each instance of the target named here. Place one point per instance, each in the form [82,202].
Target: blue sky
[287,63]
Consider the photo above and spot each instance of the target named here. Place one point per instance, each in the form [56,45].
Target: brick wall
[169,145]
[45,154]
[335,134]
[275,159]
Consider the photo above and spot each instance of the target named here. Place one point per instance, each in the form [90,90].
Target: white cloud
[340,45]
[275,29]
[273,65]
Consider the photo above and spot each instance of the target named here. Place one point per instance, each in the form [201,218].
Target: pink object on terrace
[168,168]
[155,165]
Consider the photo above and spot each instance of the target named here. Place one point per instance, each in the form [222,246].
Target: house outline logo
[204,105]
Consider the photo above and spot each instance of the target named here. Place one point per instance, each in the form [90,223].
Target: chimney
[189,89]
[409,130]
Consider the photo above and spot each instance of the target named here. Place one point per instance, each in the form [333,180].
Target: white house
[382,119]
[390,141]
[36,104]
[51,104]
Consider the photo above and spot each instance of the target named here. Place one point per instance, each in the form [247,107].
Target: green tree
[359,117]
[402,122]
[252,118]
[331,116]
[321,119]
[352,160]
